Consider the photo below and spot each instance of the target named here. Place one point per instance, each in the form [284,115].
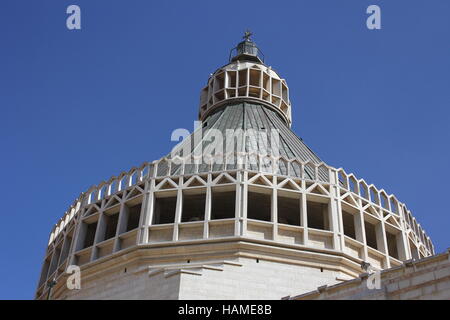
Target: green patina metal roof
[247,115]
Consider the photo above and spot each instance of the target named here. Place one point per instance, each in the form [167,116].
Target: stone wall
[424,279]
[220,273]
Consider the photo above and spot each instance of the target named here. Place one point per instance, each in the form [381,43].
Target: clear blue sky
[80,106]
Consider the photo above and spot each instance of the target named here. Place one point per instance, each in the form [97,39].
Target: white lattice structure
[245,80]
[198,228]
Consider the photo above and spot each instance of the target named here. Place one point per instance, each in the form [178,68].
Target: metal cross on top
[247,35]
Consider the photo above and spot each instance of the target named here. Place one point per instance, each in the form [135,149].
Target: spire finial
[247,50]
[247,35]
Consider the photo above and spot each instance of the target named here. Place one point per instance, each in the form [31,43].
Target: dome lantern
[247,50]
[246,78]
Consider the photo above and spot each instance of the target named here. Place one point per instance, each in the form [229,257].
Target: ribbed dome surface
[245,115]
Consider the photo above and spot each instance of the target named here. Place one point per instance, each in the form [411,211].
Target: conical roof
[246,116]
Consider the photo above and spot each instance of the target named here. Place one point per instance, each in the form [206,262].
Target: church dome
[187,226]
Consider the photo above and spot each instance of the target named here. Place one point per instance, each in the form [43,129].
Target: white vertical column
[274,209]
[304,217]
[178,210]
[303,204]
[335,213]
[247,89]
[335,218]
[208,204]
[226,83]
[147,212]
[360,232]
[404,253]
[243,186]
[382,242]
[261,79]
